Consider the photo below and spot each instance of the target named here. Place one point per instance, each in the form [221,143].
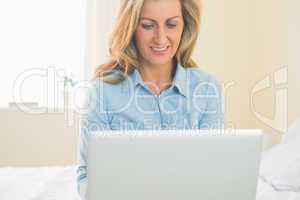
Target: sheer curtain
[42,43]
[101,18]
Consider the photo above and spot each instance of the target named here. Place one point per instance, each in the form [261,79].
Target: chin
[159,62]
[155,61]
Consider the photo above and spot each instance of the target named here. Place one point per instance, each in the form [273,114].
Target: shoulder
[111,95]
[102,85]
[198,75]
[97,89]
[200,79]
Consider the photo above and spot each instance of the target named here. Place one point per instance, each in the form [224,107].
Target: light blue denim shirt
[193,101]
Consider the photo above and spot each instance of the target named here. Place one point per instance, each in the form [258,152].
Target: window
[42,42]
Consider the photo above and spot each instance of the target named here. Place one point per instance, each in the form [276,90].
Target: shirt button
[164,126]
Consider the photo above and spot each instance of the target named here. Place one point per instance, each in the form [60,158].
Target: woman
[151,81]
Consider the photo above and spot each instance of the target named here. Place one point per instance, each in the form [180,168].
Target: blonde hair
[123,54]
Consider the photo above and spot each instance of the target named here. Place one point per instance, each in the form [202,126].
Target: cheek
[142,38]
[176,38]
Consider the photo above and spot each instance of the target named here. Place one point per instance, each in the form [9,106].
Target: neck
[157,73]
[158,77]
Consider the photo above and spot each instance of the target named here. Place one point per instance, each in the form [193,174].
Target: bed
[279,177]
[59,183]
[266,192]
[43,183]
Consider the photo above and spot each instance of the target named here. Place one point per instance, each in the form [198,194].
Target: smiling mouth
[160,50]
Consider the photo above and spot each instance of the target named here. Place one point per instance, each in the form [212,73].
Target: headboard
[37,139]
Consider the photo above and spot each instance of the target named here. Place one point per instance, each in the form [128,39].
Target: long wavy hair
[123,54]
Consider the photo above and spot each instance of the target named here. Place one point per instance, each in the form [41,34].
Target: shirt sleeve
[93,118]
[213,115]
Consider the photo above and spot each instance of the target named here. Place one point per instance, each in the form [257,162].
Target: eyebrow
[142,18]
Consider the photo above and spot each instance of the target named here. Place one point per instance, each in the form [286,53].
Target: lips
[160,50]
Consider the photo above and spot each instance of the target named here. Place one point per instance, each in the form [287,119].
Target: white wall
[294,58]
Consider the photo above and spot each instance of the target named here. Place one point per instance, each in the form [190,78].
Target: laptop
[173,165]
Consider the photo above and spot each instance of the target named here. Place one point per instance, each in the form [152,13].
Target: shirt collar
[136,78]
[179,80]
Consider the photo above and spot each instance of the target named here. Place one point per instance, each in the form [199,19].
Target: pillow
[280,166]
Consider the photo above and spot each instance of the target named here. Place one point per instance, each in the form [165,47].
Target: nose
[160,37]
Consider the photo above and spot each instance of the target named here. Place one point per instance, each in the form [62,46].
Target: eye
[171,25]
[147,26]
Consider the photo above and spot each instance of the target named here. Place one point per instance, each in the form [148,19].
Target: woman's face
[159,31]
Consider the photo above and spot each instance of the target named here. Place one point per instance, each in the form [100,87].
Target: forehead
[161,9]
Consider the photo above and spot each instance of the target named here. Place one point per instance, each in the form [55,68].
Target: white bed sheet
[44,183]
[267,192]
[59,183]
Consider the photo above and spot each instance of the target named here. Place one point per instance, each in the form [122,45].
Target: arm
[93,118]
[213,116]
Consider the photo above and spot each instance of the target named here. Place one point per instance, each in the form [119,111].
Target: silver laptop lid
[174,165]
